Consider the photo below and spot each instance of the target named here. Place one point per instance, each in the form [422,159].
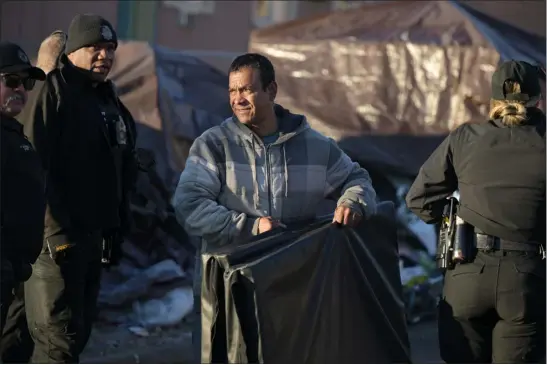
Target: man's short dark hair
[258,62]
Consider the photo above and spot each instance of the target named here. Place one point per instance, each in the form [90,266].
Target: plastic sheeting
[395,67]
[323,294]
[510,41]
[389,79]
[173,96]
[399,155]
[149,285]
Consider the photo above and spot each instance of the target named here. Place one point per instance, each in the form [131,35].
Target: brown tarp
[394,67]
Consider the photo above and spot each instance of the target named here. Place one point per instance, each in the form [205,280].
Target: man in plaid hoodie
[263,168]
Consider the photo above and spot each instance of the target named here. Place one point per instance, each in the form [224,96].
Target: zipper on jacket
[267,156]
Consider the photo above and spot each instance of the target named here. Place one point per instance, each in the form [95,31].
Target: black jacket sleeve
[435,182]
[42,126]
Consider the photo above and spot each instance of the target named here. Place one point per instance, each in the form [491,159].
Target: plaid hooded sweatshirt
[231,179]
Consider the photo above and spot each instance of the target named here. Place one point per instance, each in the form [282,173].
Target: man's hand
[266,224]
[346,217]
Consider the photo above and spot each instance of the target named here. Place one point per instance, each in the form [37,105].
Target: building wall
[29,22]
[137,20]
[222,31]
[226,29]
[218,32]
[217,35]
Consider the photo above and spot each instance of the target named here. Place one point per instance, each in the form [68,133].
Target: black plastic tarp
[510,41]
[390,154]
[321,294]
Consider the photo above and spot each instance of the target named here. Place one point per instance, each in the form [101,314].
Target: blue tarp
[509,41]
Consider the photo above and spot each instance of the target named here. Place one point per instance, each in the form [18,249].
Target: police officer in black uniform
[22,177]
[493,305]
[86,139]
[16,345]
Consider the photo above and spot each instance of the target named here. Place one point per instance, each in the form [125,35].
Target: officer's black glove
[112,249]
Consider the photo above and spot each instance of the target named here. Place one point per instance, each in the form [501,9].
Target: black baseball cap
[522,72]
[13,59]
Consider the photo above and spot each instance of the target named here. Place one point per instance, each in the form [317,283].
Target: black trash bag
[322,294]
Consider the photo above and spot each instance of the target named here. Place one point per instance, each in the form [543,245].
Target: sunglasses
[14,81]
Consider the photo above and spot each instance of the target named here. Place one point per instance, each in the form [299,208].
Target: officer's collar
[77,75]
[11,124]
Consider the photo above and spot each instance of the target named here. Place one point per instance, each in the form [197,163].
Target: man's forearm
[359,198]
[204,217]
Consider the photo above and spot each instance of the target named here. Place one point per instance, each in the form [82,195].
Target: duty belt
[489,243]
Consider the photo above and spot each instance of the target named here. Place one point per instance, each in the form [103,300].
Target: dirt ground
[117,345]
[111,344]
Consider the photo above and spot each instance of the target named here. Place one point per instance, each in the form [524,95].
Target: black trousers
[61,300]
[196,331]
[493,310]
[7,284]
[16,345]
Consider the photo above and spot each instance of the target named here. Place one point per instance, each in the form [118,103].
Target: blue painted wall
[137,20]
